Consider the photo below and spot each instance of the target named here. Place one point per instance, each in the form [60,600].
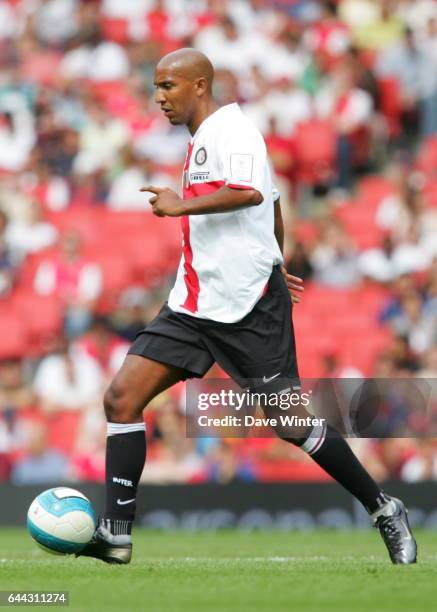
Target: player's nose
[159,97]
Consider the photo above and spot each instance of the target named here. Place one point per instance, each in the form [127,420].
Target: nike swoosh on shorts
[266,380]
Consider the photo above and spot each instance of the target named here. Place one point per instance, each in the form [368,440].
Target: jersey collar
[228,108]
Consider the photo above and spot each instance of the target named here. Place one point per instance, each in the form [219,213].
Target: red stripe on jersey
[191,279]
[235,186]
[200,189]
[192,191]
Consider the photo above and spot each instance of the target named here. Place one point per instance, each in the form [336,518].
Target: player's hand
[165,202]
[294,285]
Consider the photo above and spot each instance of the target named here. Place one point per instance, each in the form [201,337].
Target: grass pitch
[232,571]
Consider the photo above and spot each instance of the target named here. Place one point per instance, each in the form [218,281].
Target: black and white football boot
[115,549]
[392,522]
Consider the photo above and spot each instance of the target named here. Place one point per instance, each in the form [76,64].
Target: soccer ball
[61,520]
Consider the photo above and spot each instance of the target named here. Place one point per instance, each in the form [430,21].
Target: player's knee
[295,428]
[118,406]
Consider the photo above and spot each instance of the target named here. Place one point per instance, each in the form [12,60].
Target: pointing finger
[153,189]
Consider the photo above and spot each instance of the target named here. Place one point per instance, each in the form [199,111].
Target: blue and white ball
[61,520]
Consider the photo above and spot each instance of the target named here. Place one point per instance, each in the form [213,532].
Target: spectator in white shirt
[56,20]
[349,109]
[334,259]
[101,140]
[125,189]
[227,49]
[423,464]
[415,69]
[32,234]
[67,380]
[287,58]
[17,133]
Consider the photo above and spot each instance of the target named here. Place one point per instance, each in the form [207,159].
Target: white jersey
[227,257]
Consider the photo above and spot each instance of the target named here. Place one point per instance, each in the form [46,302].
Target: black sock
[334,455]
[125,458]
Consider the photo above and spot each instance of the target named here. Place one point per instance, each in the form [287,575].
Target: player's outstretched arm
[167,202]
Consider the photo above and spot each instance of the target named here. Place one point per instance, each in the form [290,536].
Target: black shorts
[261,346]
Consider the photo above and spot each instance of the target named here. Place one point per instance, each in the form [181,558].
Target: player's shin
[125,458]
[333,454]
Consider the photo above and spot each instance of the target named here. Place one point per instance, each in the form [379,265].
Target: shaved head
[189,64]
[183,87]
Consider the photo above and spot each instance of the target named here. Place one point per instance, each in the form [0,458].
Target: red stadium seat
[147,241]
[312,346]
[40,67]
[30,265]
[353,322]
[62,430]
[359,223]
[127,226]
[372,190]
[41,317]
[149,261]
[391,104]
[116,266]
[87,222]
[315,152]
[324,343]
[427,158]
[362,351]
[13,334]
[430,192]
[104,89]
[310,365]
[370,298]
[349,332]
[319,299]
[290,470]
[123,104]
[116,30]
[306,231]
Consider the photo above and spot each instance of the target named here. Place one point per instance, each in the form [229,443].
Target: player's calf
[125,458]
[138,382]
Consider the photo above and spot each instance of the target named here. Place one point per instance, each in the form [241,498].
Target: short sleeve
[244,159]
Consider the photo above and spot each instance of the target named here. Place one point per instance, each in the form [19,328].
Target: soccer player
[230,304]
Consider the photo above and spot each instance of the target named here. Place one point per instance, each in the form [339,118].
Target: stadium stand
[346,95]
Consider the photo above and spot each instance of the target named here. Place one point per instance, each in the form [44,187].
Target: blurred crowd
[345,93]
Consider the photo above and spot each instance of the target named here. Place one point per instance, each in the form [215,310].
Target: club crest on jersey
[200,157]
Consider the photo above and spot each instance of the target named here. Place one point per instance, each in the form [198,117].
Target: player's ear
[200,86]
